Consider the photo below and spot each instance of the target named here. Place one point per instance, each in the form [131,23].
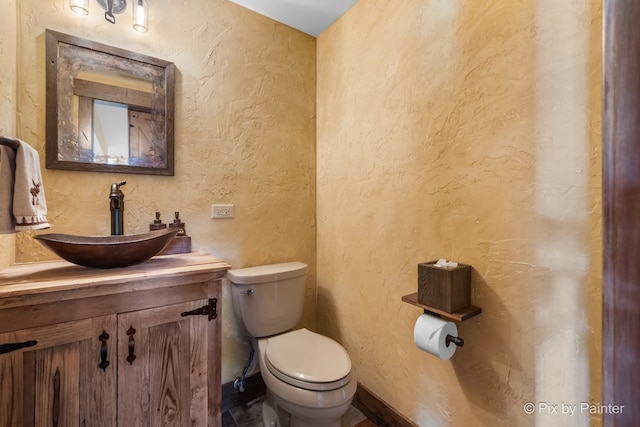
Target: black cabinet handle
[104,336]
[132,345]
[8,348]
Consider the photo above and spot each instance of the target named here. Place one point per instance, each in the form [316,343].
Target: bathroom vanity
[135,346]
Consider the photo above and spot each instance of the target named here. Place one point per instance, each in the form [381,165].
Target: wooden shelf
[460,315]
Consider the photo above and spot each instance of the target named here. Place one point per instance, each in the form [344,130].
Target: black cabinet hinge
[8,348]
[209,310]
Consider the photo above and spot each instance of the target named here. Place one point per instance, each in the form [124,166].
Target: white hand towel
[7,178]
[29,205]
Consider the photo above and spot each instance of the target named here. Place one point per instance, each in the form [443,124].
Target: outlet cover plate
[221,211]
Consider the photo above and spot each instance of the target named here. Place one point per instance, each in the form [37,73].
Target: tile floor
[250,415]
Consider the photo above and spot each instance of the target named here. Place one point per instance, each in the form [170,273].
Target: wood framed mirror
[108,109]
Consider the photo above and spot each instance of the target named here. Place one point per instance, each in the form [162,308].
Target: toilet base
[308,417]
[274,415]
[270,416]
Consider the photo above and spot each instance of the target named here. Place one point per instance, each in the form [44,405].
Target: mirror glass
[108,109]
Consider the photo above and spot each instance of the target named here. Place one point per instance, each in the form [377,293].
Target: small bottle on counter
[181,243]
[157,223]
[177,223]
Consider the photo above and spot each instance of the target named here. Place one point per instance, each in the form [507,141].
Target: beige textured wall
[245,134]
[470,131]
[7,103]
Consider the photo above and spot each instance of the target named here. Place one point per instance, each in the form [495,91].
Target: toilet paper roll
[430,335]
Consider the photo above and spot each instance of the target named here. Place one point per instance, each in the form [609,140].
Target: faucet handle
[115,189]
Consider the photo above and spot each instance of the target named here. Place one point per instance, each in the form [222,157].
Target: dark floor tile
[248,415]
[227,420]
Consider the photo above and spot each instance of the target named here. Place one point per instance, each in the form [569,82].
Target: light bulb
[141,16]
[80,7]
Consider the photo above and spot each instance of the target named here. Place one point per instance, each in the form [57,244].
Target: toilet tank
[268,299]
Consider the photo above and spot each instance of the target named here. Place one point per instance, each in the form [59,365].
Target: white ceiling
[308,16]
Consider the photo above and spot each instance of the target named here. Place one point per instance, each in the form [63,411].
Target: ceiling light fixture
[80,7]
[111,7]
[141,16]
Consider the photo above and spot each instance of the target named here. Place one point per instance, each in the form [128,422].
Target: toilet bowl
[307,374]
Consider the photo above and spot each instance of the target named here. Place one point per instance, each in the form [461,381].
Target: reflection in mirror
[107,109]
[110,125]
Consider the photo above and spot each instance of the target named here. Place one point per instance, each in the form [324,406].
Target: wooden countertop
[42,282]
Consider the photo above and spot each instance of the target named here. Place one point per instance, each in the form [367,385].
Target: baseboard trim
[379,411]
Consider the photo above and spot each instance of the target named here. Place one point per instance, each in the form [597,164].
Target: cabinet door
[56,378]
[163,369]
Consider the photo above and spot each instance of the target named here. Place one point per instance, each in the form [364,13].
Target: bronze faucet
[117,209]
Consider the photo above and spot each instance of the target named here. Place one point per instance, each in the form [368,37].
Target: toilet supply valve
[238,384]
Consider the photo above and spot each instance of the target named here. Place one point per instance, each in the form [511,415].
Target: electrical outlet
[221,211]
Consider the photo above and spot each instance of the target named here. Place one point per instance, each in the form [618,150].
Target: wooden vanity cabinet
[136,346]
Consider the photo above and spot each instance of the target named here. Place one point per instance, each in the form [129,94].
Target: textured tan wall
[463,130]
[245,134]
[470,131]
[7,103]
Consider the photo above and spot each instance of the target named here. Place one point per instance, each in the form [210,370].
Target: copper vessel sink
[108,251]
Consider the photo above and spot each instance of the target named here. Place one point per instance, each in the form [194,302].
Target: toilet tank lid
[267,273]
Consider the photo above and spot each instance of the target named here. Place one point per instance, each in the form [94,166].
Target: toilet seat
[308,360]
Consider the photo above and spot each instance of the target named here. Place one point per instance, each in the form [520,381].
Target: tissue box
[447,289]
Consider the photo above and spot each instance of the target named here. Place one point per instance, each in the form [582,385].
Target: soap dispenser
[157,223]
[181,243]
[177,223]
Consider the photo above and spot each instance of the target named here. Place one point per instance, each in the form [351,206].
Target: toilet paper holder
[460,315]
[450,339]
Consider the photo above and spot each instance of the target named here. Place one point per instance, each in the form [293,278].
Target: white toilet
[306,374]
